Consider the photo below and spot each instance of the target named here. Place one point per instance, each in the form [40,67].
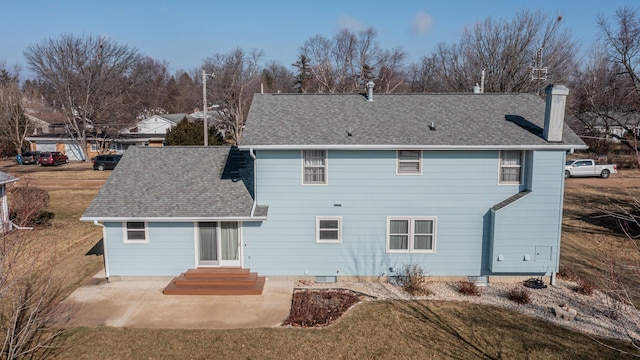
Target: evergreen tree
[190,133]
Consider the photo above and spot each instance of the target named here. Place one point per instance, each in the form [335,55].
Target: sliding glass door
[218,244]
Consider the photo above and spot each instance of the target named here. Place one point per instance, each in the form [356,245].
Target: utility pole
[204,105]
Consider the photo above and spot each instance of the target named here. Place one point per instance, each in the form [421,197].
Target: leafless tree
[392,75]
[29,295]
[277,78]
[505,50]
[601,105]
[90,79]
[622,46]
[425,76]
[236,78]
[606,100]
[149,90]
[14,125]
[346,62]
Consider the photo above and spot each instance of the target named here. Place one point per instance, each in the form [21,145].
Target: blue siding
[169,252]
[457,187]
[531,223]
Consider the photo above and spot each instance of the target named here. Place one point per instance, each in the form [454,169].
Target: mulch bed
[313,308]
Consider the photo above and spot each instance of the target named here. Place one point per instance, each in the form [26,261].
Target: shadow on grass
[464,331]
[97,249]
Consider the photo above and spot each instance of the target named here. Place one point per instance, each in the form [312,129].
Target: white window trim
[398,161]
[326,169]
[522,159]
[411,220]
[125,236]
[318,219]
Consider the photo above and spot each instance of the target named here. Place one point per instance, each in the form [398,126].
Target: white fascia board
[9,181]
[173,219]
[51,139]
[414,147]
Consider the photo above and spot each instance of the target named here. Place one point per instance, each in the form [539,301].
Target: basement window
[328,229]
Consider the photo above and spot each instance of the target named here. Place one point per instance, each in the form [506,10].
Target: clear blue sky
[186,32]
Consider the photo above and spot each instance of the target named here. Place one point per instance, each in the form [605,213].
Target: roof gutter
[172,219]
[415,147]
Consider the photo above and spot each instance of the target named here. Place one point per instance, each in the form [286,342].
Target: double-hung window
[328,229]
[314,167]
[409,162]
[411,234]
[135,232]
[511,166]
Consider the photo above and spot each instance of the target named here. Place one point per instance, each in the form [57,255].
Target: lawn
[375,329]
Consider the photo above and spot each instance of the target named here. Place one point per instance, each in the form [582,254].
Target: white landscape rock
[592,310]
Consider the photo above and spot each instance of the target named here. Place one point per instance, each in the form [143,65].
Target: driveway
[141,304]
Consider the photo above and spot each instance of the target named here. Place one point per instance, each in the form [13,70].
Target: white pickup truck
[588,167]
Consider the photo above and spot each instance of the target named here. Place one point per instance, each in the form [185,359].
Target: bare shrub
[29,298]
[567,273]
[411,278]
[585,287]
[613,307]
[27,316]
[319,307]
[28,205]
[519,295]
[468,288]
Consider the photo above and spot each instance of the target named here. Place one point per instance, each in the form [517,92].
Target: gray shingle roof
[175,182]
[461,120]
[6,178]
[175,118]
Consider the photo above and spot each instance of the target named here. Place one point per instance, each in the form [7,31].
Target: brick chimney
[554,112]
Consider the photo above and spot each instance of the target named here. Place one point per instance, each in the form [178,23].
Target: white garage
[73,152]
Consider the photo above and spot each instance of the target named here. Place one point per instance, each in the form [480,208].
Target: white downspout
[255,184]
[104,248]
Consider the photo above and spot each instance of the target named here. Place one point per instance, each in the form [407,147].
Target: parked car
[106,162]
[53,158]
[588,167]
[30,157]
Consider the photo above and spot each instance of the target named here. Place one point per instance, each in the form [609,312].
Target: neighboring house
[351,185]
[156,124]
[616,127]
[44,119]
[5,223]
[147,132]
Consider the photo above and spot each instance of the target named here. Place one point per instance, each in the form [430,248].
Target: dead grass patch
[372,330]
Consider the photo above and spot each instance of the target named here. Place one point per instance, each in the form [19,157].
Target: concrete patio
[141,304]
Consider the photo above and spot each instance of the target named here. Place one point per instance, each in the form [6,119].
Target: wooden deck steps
[216,281]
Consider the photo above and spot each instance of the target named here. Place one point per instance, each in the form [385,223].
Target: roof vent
[432,126]
[370,86]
